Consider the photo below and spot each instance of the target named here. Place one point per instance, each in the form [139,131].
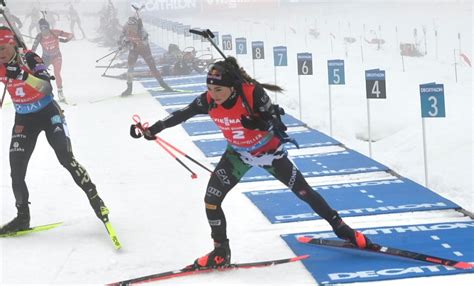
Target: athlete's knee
[213,198]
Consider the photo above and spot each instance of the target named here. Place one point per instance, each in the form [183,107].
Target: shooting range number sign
[305,63]
[195,36]
[241,46]
[216,38]
[280,56]
[375,83]
[227,42]
[258,52]
[336,73]
[432,100]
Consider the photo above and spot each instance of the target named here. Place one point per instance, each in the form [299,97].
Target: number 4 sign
[375,83]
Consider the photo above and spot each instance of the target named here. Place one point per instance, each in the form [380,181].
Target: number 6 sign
[305,63]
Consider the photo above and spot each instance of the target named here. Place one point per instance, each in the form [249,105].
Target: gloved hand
[255,122]
[13,71]
[136,130]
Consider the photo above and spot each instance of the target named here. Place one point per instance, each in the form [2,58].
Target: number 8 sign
[432,100]
[305,63]
[258,52]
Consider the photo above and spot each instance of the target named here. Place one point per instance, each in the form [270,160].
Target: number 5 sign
[432,100]
[375,83]
[336,72]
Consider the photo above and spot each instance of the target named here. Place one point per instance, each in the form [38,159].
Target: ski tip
[464,265]
[301,257]
[304,239]
[194,176]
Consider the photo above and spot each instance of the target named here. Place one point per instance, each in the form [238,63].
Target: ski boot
[20,222]
[343,231]
[99,207]
[164,85]
[219,257]
[61,95]
[128,91]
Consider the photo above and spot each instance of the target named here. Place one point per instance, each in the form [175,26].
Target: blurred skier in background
[35,16]
[74,19]
[49,40]
[136,38]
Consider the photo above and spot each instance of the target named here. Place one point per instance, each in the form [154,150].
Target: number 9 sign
[305,63]
[241,46]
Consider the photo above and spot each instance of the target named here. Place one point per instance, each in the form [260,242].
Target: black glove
[136,130]
[255,122]
[13,71]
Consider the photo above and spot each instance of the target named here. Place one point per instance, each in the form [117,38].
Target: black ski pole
[17,39]
[115,51]
[111,61]
[209,36]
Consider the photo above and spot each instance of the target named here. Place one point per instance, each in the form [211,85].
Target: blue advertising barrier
[182,88]
[333,265]
[306,138]
[351,199]
[176,100]
[208,127]
[326,164]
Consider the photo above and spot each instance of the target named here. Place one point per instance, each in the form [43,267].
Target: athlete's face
[219,93]
[7,51]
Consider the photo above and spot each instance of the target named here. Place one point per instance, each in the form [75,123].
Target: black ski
[388,250]
[191,270]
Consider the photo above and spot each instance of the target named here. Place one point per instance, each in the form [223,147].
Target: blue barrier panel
[186,79]
[351,199]
[326,164]
[306,138]
[451,240]
[182,88]
[177,100]
[208,127]
[176,81]
[173,109]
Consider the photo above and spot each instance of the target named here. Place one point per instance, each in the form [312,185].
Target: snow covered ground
[158,210]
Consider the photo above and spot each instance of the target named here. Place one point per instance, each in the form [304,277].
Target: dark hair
[44,24]
[231,66]
[5,28]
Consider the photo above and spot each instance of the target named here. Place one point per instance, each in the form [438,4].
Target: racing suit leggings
[25,132]
[231,169]
[145,52]
[57,62]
